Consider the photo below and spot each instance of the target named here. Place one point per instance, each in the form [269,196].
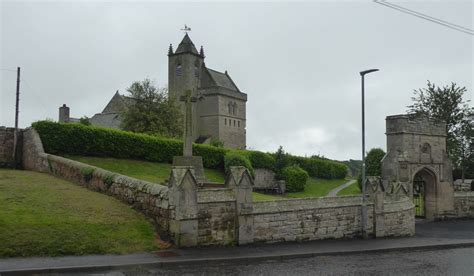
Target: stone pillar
[183,206]
[63,114]
[379,220]
[240,181]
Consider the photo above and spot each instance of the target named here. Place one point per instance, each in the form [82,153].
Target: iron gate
[419,197]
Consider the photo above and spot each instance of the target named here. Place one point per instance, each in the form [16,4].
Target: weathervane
[186,29]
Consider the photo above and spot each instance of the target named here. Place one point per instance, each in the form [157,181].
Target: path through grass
[351,190]
[41,215]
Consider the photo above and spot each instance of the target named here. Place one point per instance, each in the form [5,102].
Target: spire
[201,52]
[186,46]
[170,50]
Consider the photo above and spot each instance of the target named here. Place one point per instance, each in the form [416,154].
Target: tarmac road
[458,261]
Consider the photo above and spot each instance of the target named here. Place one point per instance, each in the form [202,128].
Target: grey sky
[298,62]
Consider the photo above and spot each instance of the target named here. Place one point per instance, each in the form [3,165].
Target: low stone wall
[308,219]
[216,217]
[7,141]
[191,216]
[464,204]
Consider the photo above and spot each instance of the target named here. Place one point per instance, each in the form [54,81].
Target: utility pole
[17,103]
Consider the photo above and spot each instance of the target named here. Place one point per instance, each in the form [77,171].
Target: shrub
[87,173]
[234,158]
[78,139]
[319,167]
[295,178]
[260,160]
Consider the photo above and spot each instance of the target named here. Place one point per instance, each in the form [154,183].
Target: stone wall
[7,146]
[216,217]
[464,204]
[193,216]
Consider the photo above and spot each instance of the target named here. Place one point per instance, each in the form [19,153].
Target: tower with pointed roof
[221,114]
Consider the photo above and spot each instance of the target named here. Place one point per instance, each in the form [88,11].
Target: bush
[318,167]
[260,160]
[78,139]
[234,158]
[295,178]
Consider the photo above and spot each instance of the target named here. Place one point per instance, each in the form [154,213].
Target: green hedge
[78,139]
[295,178]
[260,160]
[321,168]
[235,158]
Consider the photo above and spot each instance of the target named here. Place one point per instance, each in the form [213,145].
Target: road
[433,262]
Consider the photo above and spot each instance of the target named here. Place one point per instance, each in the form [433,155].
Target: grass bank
[41,215]
[351,190]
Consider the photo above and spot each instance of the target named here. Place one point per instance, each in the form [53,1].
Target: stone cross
[188,100]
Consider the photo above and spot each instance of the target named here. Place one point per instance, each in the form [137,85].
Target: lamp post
[364,198]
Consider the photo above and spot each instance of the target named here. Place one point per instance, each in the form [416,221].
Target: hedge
[234,158]
[321,168]
[78,139]
[295,178]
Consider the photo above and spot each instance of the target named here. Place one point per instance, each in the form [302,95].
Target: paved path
[432,235]
[334,192]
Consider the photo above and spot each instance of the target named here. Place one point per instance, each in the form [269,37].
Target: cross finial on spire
[186,29]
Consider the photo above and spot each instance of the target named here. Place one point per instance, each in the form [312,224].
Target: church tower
[184,68]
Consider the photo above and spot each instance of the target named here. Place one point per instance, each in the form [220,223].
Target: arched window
[225,121]
[229,107]
[238,123]
[179,71]
[234,109]
[196,69]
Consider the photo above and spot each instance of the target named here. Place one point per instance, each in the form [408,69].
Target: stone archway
[416,151]
[424,193]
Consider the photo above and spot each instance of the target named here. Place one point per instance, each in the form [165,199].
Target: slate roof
[186,46]
[222,80]
[112,120]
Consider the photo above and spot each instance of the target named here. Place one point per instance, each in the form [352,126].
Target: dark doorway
[419,196]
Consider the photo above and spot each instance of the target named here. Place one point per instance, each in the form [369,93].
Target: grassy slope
[351,190]
[316,187]
[148,171]
[158,172]
[41,215]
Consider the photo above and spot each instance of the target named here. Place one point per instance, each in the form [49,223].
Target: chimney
[63,114]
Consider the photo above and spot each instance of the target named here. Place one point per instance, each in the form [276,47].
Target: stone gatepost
[183,206]
[240,181]
[379,220]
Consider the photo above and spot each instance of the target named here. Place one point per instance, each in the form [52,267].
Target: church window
[225,121]
[178,70]
[234,122]
[234,109]
[238,123]
[229,107]
[196,69]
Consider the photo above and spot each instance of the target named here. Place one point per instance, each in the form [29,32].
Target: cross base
[195,162]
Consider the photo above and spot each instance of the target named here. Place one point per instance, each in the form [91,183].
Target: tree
[373,164]
[446,104]
[85,121]
[281,161]
[153,111]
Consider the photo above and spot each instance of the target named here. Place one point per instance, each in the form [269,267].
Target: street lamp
[364,198]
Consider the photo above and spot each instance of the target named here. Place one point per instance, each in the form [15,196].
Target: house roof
[222,80]
[111,120]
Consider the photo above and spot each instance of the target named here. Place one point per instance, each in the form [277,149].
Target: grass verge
[41,215]
[148,171]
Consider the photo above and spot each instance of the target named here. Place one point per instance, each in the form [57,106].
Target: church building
[219,114]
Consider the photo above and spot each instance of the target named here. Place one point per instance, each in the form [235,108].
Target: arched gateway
[416,164]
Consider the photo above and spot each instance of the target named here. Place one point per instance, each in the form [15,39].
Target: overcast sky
[299,63]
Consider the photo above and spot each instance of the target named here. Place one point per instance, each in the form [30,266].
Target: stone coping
[215,195]
[464,194]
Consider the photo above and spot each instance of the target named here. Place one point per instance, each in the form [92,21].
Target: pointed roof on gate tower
[186,46]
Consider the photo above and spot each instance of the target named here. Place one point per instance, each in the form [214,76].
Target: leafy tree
[215,142]
[85,121]
[153,111]
[373,164]
[446,104]
[281,161]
